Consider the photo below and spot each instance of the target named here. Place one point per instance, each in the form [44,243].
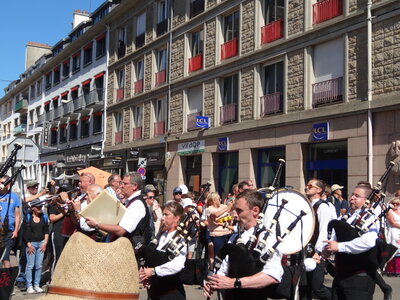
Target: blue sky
[41,21]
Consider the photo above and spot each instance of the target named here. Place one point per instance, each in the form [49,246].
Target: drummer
[247,206]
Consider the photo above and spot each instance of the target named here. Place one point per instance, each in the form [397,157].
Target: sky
[40,21]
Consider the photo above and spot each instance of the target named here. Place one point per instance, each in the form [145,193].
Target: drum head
[302,233]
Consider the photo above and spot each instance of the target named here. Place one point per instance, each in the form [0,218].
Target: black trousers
[354,287]
[315,284]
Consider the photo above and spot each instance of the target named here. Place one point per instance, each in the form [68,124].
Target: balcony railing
[327,92]
[271,104]
[159,128]
[21,128]
[121,51]
[68,107]
[161,77]
[229,49]
[95,96]
[138,86]
[137,133]
[191,120]
[120,94]
[228,113]
[272,31]
[196,7]
[49,116]
[162,27]
[57,112]
[78,103]
[196,62]
[118,137]
[139,42]
[326,10]
[21,105]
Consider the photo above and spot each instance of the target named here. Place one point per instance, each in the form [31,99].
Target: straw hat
[107,269]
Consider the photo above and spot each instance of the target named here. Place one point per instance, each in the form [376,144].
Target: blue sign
[223,144]
[321,132]
[202,122]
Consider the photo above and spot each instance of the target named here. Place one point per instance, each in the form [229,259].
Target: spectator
[393,222]
[242,186]
[35,236]
[150,199]
[190,207]
[341,204]
[177,194]
[114,186]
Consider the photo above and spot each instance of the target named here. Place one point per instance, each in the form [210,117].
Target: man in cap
[177,194]
[336,198]
[33,193]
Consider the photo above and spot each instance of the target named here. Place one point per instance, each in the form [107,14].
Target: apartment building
[313,82]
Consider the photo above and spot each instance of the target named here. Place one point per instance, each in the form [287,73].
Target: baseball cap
[36,203]
[177,190]
[335,187]
[32,183]
[184,189]
[150,188]
[187,202]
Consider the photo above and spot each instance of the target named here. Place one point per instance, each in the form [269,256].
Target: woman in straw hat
[163,280]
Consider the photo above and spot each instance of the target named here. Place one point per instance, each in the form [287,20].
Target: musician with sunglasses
[354,272]
[248,205]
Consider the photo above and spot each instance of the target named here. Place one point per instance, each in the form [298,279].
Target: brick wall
[109,130]
[127,124]
[295,16]
[110,88]
[357,64]
[209,100]
[247,94]
[179,13]
[386,56]
[176,107]
[146,120]
[128,80]
[148,70]
[295,93]
[247,35]
[177,58]
[210,37]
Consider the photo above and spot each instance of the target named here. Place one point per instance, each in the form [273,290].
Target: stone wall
[357,68]
[247,94]
[146,120]
[295,16]
[176,116]
[110,88]
[179,12]
[148,70]
[177,58]
[248,21]
[128,81]
[355,5]
[211,3]
[295,83]
[109,130]
[386,56]
[209,100]
[210,39]
[127,124]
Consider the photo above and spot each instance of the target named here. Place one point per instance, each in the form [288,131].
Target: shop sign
[46,129]
[321,132]
[223,144]
[76,158]
[191,147]
[202,122]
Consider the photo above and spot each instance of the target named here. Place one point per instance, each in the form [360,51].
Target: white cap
[335,187]
[310,264]
[185,202]
[184,189]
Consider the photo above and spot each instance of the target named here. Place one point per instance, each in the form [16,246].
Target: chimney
[79,16]
[33,51]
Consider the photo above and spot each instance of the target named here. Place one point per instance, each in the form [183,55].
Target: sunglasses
[151,197]
[309,186]
[178,193]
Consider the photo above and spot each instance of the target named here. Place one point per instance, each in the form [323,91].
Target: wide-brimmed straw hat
[87,268]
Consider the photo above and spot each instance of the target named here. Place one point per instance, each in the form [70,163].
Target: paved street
[195,293]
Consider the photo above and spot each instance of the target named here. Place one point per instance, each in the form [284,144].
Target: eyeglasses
[151,197]
[309,186]
[178,193]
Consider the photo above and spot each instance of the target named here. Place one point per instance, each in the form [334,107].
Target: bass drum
[299,237]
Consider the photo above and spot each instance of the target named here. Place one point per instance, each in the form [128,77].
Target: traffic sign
[141,171]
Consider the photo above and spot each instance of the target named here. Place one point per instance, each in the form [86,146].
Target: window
[162,17]
[53,136]
[267,165]
[39,88]
[63,133]
[38,114]
[66,67]
[48,80]
[31,117]
[137,122]
[196,7]
[230,95]
[32,92]
[228,165]
[118,128]
[196,42]
[120,84]
[100,46]
[159,117]
[97,122]
[231,26]
[76,62]
[140,30]
[87,54]
[273,10]
[86,93]
[85,123]
[99,86]
[161,66]
[195,105]
[73,129]
[121,42]
[139,74]
[56,75]
[272,99]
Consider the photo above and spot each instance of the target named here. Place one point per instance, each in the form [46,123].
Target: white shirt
[174,265]
[324,215]
[134,214]
[360,244]
[82,221]
[112,193]
[272,268]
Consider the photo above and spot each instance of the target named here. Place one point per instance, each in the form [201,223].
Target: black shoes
[387,295]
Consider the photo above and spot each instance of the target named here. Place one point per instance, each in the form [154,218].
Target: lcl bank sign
[320,132]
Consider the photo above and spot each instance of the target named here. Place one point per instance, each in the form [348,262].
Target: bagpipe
[195,269]
[286,222]
[344,231]
[11,160]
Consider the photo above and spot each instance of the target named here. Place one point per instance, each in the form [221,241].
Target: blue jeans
[34,261]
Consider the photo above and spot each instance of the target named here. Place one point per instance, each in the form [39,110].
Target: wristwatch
[153,272]
[237,284]
[96,227]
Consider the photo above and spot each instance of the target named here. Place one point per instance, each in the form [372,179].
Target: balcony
[120,94]
[326,10]
[272,31]
[327,92]
[95,98]
[118,138]
[159,128]
[139,42]
[271,104]
[68,108]
[138,86]
[49,116]
[78,103]
[20,129]
[228,113]
[229,49]
[137,133]
[191,120]
[40,120]
[121,51]
[196,8]
[162,27]
[161,77]
[196,62]
[21,106]
[57,112]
